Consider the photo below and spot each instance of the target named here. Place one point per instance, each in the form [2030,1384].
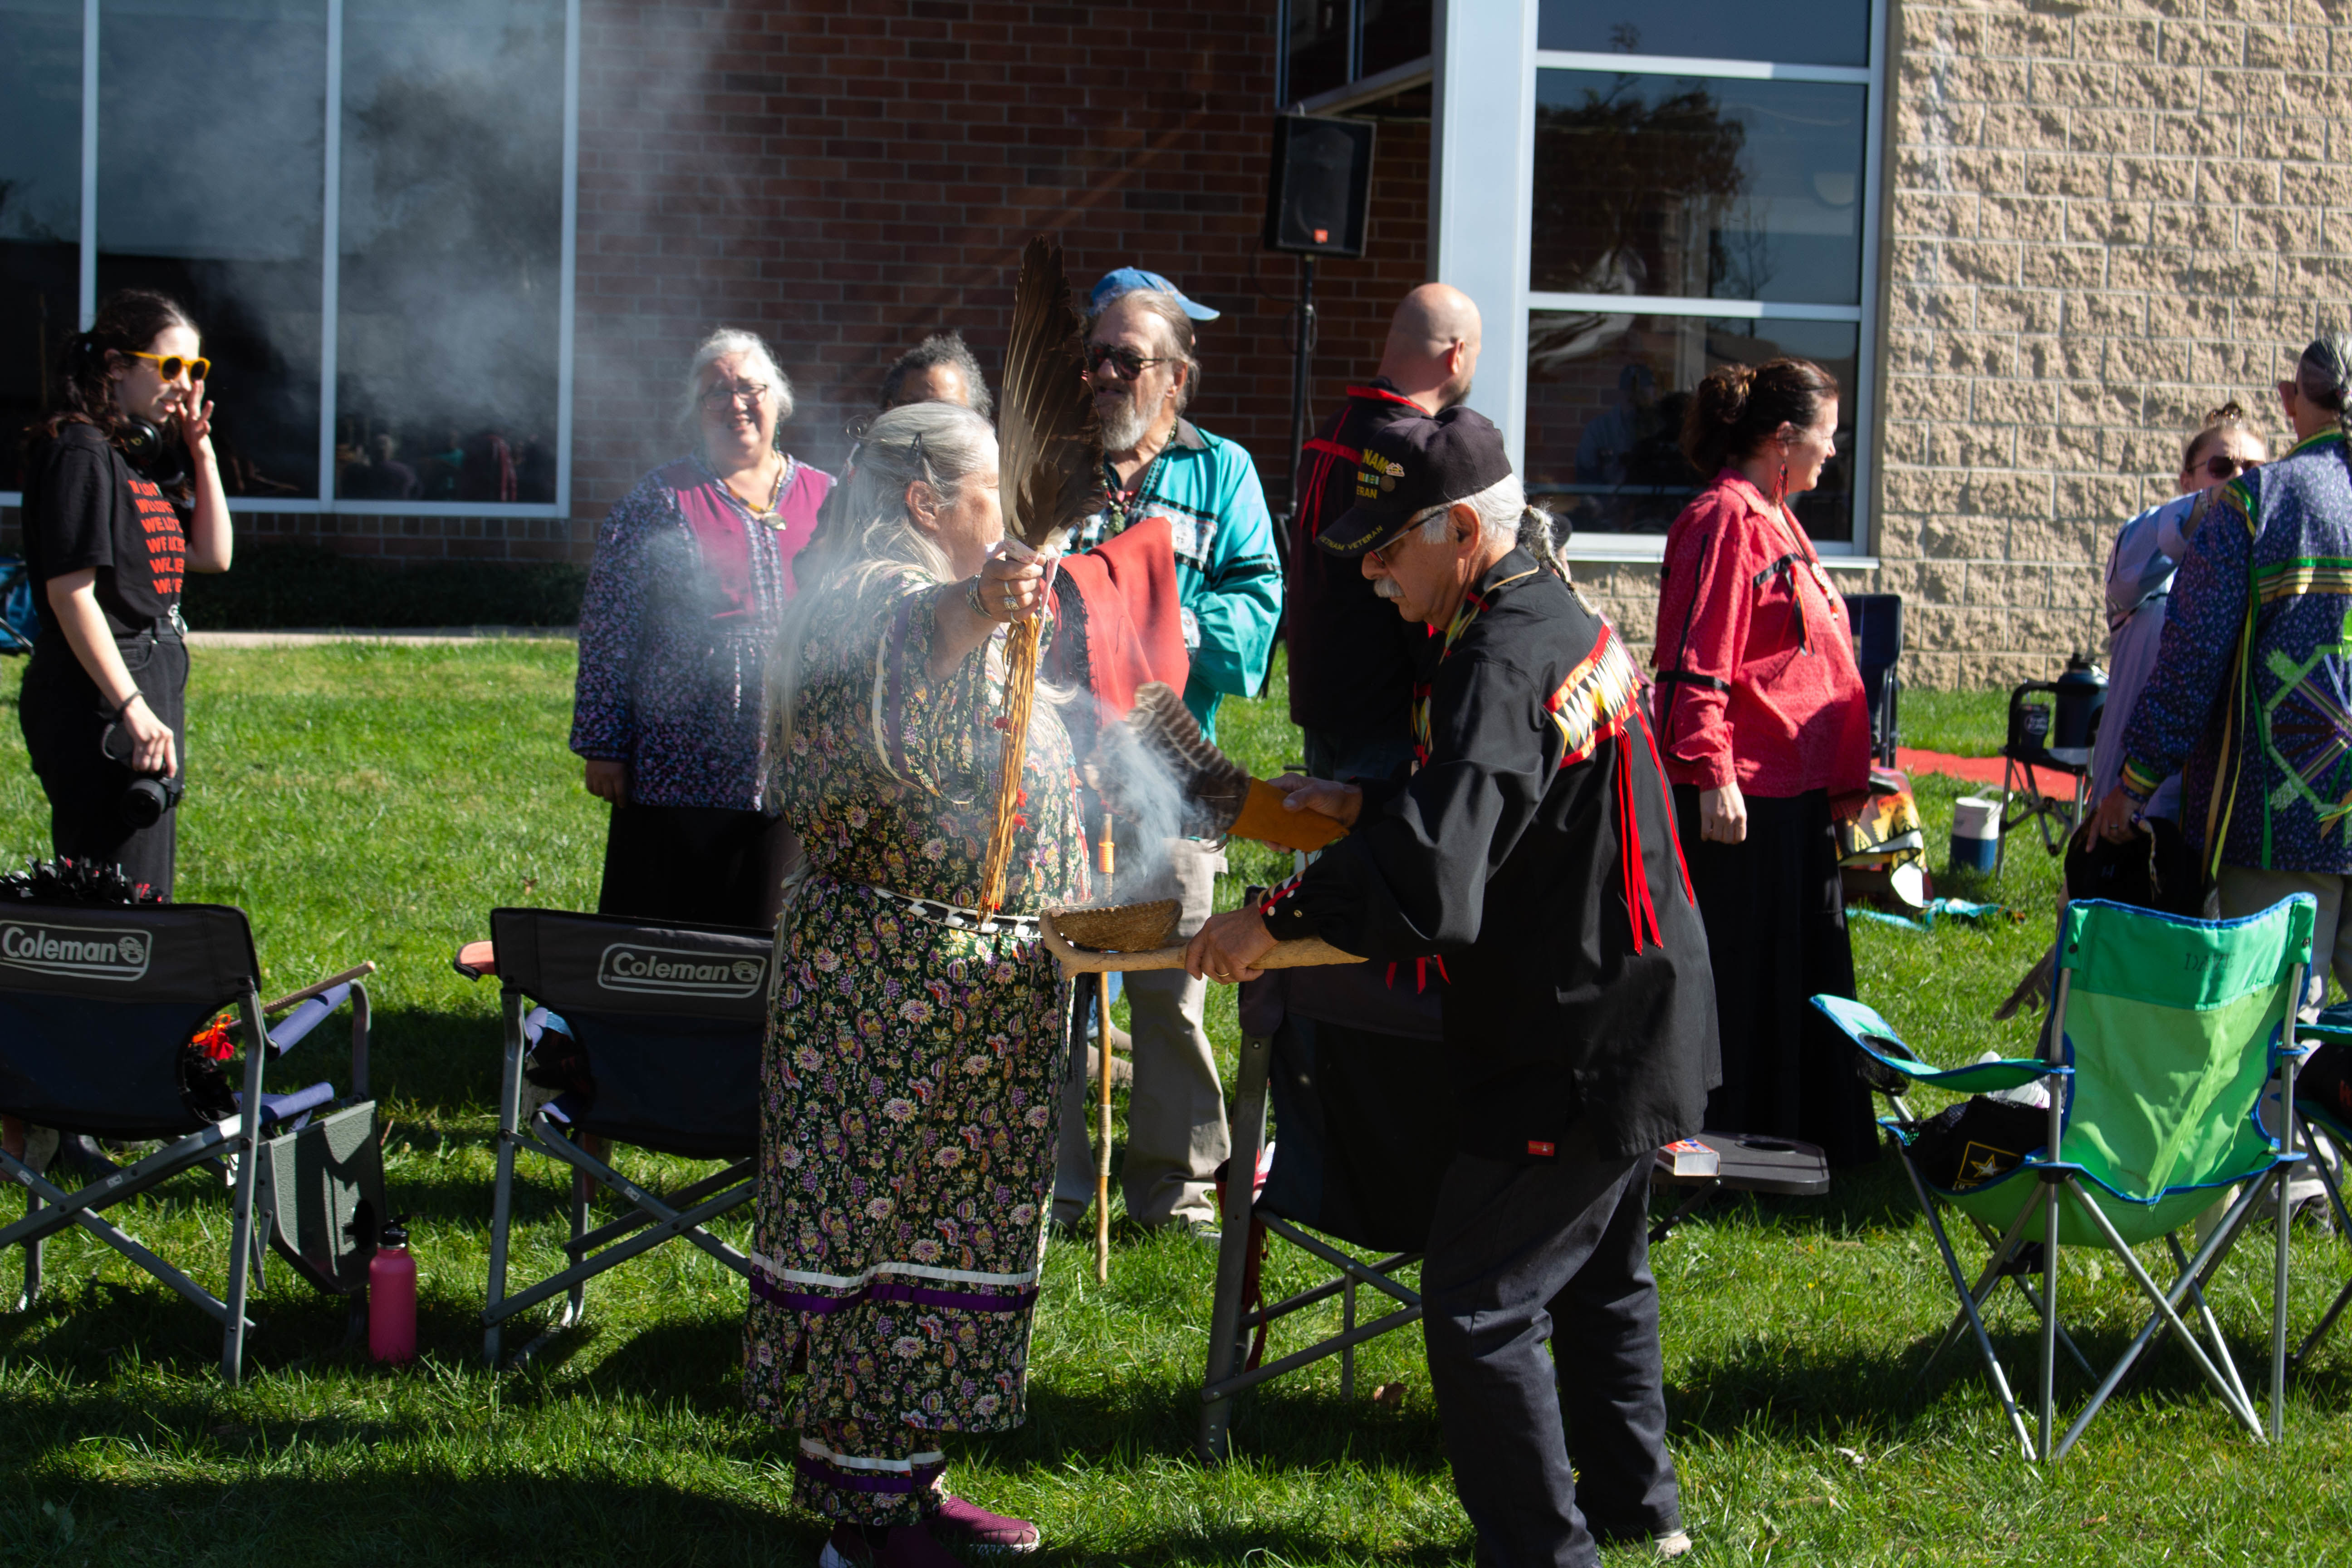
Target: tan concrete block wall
[2102,220]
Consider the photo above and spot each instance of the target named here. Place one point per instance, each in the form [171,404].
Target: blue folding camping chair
[97,1008]
[2165,1035]
[620,1031]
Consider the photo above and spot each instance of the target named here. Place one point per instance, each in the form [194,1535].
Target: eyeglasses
[2221,466]
[1125,361]
[169,366]
[1412,525]
[751,392]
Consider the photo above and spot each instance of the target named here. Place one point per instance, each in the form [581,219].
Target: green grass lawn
[374,802]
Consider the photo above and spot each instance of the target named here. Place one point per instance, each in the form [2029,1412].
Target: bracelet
[972,597]
[127,702]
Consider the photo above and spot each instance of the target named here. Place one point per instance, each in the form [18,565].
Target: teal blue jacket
[1228,580]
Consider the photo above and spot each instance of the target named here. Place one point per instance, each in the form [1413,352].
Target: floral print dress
[909,1088]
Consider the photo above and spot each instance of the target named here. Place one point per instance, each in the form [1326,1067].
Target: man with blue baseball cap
[1162,470]
[1128,280]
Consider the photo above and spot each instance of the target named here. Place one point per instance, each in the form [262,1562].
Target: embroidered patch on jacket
[1596,699]
[1540,1149]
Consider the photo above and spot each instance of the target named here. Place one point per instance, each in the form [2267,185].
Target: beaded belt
[1022,928]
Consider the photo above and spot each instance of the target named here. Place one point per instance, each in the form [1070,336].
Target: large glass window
[363,202]
[40,207]
[1703,181]
[1606,397]
[1824,33]
[452,248]
[1328,45]
[1716,190]
[223,210]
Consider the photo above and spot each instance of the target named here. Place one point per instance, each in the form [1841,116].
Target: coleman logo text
[82,951]
[668,972]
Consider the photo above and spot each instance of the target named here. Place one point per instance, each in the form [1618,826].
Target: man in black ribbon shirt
[1353,664]
[1533,851]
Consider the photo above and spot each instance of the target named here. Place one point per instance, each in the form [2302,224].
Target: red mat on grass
[1975,770]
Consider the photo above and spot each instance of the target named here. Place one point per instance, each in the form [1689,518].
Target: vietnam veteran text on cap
[1411,465]
[1128,280]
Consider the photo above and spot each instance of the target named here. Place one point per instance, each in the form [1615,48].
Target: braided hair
[2325,376]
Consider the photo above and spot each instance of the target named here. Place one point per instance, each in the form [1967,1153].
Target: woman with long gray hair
[907,1093]
[2246,700]
[691,575]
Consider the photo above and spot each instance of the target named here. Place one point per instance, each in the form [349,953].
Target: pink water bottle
[391,1296]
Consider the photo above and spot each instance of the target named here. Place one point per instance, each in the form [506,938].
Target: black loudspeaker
[1319,185]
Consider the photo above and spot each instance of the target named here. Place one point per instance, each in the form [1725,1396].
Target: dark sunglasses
[1126,362]
[2220,466]
[169,367]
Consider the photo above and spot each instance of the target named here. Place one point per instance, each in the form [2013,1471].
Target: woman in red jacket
[1760,714]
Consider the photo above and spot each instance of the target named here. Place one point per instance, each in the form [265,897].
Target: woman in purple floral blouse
[908,1090]
[692,572]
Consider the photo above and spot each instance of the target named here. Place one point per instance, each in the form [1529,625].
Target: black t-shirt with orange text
[85,507]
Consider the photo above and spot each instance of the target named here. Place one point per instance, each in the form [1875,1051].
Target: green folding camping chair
[2165,1035]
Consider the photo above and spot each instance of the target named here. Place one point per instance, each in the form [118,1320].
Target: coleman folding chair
[654,1033]
[2164,1037]
[97,1008]
[1365,1130]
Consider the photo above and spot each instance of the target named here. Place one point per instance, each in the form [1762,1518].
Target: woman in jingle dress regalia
[906,1147]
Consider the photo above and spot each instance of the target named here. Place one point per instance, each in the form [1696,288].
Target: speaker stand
[1300,371]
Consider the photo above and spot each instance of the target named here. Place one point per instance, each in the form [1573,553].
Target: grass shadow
[441,1513]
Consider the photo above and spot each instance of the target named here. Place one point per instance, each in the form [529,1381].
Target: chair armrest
[320,989]
[1875,1037]
[292,1028]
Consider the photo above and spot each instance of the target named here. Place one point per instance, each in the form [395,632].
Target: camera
[150,796]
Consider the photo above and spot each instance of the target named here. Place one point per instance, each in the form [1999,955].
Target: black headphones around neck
[152,451]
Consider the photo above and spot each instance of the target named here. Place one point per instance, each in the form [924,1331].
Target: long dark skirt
[1776,932]
[698,864]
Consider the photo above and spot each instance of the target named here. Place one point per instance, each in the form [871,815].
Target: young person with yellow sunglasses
[122,497]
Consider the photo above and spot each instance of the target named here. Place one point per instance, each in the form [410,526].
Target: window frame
[329,301]
[1482,201]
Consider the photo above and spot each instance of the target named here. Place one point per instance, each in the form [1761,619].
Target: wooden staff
[1102,1097]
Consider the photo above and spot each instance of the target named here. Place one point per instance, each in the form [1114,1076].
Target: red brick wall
[844,176]
[851,174]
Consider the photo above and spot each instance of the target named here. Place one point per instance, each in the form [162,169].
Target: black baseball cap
[1410,465]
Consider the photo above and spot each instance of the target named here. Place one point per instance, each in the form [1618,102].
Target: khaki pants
[1176,1133]
[2247,892]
